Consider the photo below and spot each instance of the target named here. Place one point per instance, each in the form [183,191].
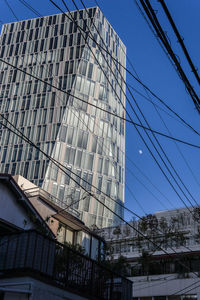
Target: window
[63,133]
[61,29]
[64,41]
[61,192]
[78,158]
[76,199]
[100,164]
[13,169]
[94,143]
[78,178]
[68,176]
[55,43]
[37,166]
[108,187]
[26,167]
[70,155]
[47,32]
[65,234]
[99,184]
[82,139]
[90,69]
[89,161]
[106,166]
[100,145]
[70,134]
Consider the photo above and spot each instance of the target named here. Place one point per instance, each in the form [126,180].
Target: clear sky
[155,70]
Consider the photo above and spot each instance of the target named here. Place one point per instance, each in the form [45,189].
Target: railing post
[111,287]
[67,266]
[92,277]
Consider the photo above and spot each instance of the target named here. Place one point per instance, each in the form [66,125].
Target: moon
[140,151]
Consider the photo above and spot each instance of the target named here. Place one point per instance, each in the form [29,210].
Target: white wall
[38,289]
[164,285]
[11,210]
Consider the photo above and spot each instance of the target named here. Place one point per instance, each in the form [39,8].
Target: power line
[148,179]
[151,101]
[127,111]
[132,175]
[141,114]
[180,40]
[139,81]
[130,171]
[107,51]
[59,165]
[151,15]
[155,107]
[179,291]
[97,199]
[104,110]
[88,128]
[45,82]
[153,285]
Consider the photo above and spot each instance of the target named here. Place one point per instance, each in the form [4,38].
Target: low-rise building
[162,254]
[63,220]
[39,258]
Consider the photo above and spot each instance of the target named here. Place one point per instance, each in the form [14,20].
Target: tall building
[88,141]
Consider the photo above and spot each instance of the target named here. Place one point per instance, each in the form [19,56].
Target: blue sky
[155,70]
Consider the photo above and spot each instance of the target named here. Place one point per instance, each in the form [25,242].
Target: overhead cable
[130,73]
[180,39]
[136,113]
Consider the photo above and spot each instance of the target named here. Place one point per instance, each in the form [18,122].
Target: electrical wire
[151,15]
[155,107]
[151,101]
[74,180]
[156,139]
[14,15]
[153,285]
[93,105]
[130,73]
[82,187]
[180,40]
[179,291]
[60,166]
[42,80]
[39,15]
[130,171]
[162,3]
[132,108]
[122,151]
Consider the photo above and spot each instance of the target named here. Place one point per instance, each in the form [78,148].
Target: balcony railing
[36,191]
[30,251]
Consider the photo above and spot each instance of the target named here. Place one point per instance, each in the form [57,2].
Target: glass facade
[89,142]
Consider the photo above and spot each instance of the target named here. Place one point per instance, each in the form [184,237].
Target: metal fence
[39,192]
[34,252]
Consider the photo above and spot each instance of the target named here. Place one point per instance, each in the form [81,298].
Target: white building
[160,274]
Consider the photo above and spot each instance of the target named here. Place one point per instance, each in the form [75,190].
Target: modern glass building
[89,142]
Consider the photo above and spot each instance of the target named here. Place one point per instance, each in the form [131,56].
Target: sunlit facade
[89,142]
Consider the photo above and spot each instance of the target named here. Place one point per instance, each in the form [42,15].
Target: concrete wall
[32,289]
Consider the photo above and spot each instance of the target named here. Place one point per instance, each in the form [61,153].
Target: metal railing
[33,252]
[36,191]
